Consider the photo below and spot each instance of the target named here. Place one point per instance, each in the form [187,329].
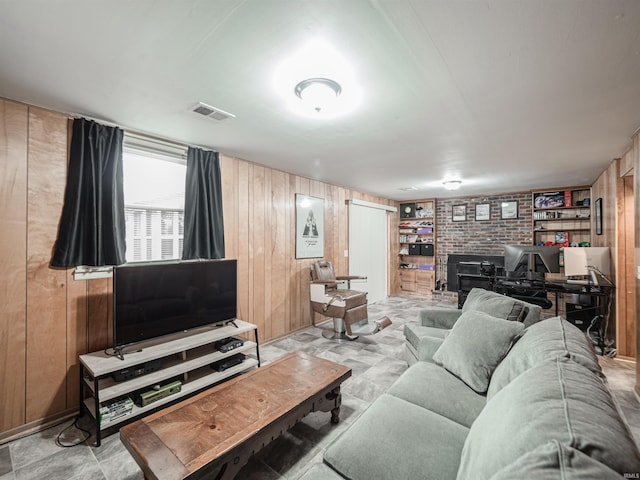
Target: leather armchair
[347,307]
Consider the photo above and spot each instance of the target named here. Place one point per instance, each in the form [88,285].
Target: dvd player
[228,344]
[225,363]
[137,370]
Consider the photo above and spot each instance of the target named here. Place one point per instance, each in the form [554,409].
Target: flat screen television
[155,299]
[531,262]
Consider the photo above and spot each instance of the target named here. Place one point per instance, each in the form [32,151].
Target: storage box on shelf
[417,232]
[562,217]
[180,365]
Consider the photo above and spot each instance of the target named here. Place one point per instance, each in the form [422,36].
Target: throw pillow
[475,346]
[500,306]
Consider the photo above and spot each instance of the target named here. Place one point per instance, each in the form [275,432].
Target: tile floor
[376,362]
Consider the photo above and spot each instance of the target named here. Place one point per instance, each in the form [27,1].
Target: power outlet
[346,254]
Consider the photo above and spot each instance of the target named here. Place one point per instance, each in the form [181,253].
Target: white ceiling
[507,95]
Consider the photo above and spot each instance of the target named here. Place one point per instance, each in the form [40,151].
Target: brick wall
[482,237]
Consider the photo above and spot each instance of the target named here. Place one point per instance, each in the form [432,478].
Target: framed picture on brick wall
[509,210]
[483,211]
[459,213]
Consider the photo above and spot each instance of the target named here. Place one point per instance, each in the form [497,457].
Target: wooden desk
[213,434]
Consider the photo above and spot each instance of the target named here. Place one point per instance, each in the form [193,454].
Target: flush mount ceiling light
[317,81]
[318,92]
[452,184]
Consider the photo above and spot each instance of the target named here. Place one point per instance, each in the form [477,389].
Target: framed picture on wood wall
[309,226]
[599,216]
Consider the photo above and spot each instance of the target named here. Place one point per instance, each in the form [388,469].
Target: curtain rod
[142,135]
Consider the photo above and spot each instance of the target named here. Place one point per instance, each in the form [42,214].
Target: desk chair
[347,308]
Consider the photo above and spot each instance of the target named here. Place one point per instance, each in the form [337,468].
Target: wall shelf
[562,217]
[417,235]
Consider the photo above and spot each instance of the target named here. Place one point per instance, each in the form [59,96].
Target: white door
[368,250]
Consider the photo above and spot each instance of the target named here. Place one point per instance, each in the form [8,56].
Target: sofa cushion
[432,387]
[542,341]
[501,306]
[320,471]
[557,399]
[475,346]
[396,439]
[554,461]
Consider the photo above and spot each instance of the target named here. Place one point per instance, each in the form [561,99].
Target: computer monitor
[581,261]
[531,261]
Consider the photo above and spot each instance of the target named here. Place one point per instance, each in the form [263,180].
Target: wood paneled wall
[626,286]
[607,187]
[48,319]
[13,257]
[635,161]
[259,218]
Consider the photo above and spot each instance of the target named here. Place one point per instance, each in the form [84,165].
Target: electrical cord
[111,353]
[57,441]
[78,427]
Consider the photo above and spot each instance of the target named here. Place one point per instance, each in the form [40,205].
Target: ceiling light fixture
[452,184]
[318,92]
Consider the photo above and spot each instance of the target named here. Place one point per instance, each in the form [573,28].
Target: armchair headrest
[322,270]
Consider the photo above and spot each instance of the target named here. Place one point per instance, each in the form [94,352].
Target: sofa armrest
[439,317]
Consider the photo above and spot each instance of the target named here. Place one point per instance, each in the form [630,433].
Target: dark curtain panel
[203,222]
[92,225]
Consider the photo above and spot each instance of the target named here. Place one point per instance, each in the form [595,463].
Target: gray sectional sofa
[497,399]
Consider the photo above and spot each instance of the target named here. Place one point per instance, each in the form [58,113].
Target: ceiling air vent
[211,112]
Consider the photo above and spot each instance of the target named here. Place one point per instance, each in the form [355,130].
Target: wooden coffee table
[213,434]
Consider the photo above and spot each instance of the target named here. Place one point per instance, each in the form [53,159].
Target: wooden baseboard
[36,426]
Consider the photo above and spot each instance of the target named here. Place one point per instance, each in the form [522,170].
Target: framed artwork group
[508,211]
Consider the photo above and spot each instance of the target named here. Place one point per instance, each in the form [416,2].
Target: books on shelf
[112,410]
[408,238]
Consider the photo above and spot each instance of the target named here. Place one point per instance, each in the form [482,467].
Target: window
[154,199]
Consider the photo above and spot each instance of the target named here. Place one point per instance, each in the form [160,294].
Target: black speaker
[426,249]
[407,210]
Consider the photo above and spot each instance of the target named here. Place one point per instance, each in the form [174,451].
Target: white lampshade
[452,184]
[318,93]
